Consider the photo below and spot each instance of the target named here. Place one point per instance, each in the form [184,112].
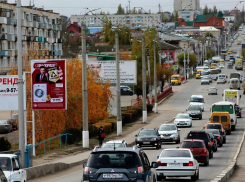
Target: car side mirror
[154,165]
[84,164]
[177,147]
[203,127]
[136,135]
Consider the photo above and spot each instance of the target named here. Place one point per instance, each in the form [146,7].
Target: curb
[227,173]
[51,168]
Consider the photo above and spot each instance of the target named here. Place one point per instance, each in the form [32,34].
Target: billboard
[9,92]
[106,70]
[48,84]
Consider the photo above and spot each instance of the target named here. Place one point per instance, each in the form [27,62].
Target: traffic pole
[144,81]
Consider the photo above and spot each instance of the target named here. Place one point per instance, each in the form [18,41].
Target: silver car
[169,133]
[5,126]
[205,80]
[183,119]
[221,80]
[212,91]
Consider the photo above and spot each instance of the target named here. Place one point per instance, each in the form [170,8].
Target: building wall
[186,4]
[213,21]
[136,19]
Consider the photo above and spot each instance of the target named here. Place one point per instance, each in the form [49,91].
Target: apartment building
[133,20]
[40,28]
[186,4]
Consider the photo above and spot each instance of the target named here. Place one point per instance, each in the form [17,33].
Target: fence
[161,96]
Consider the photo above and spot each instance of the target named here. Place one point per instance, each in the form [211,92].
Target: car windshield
[174,78]
[3,121]
[111,145]
[175,153]
[147,132]
[221,76]
[194,108]
[5,164]
[167,127]
[113,160]
[212,131]
[223,108]
[212,89]
[182,116]
[196,99]
[192,144]
[205,78]
[197,135]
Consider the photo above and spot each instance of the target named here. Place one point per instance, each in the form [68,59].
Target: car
[183,119]
[220,80]
[148,137]
[5,126]
[222,65]
[205,81]
[169,133]
[234,83]
[239,67]
[218,126]
[12,169]
[177,163]
[194,111]
[115,164]
[217,135]
[198,148]
[202,135]
[208,77]
[223,76]
[238,111]
[230,65]
[125,90]
[214,142]
[197,100]
[114,143]
[212,91]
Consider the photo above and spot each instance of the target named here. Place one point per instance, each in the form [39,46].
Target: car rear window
[175,153]
[113,160]
[214,126]
[201,136]
[192,145]
[216,118]
[223,118]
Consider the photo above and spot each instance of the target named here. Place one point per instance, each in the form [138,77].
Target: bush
[106,125]
[5,145]
[92,130]
[74,138]
[126,118]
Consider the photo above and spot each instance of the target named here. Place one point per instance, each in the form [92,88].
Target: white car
[177,163]
[11,168]
[183,119]
[197,100]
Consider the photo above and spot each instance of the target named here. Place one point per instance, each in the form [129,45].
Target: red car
[198,148]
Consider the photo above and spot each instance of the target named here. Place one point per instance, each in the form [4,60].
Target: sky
[77,7]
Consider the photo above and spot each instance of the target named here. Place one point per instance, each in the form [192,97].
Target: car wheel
[157,147]
[224,141]
[160,145]
[206,163]
[221,144]
[194,178]
[178,141]
[211,154]
[160,178]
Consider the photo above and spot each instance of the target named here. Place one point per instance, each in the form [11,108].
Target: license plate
[146,142]
[112,176]
[166,137]
[174,164]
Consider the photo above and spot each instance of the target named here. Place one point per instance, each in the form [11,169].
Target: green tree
[124,36]
[215,11]
[175,18]
[192,57]
[107,25]
[120,10]
[205,10]
[210,53]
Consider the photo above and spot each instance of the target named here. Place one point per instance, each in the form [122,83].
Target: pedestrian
[101,135]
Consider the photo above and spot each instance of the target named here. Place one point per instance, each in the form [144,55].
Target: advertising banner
[9,92]
[106,70]
[231,96]
[48,84]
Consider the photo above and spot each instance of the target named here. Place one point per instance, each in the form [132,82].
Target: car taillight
[209,144]
[86,170]
[232,120]
[204,151]
[140,169]
[161,164]
[6,125]
[212,142]
[218,137]
[240,111]
[188,164]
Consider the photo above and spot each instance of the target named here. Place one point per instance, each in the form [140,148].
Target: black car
[148,137]
[218,126]
[126,91]
[118,164]
[194,111]
[202,135]
[217,135]
[214,141]
[238,111]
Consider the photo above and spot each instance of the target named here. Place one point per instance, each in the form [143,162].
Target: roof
[223,103]
[127,149]
[189,23]
[202,18]
[187,38]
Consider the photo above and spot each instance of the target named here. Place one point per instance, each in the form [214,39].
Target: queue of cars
[9,125]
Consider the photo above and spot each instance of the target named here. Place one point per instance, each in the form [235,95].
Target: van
[234,83]
[223,118]
[244,88]
[198,73]
[175,80]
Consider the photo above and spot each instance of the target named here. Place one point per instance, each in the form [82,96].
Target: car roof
[214,124]
[168,124]
[197,131]
[223,103]
[8,155]
[177,149]
[189,140]
[198,96]
[212,87]
[119,149]
[148,128]
[115,141]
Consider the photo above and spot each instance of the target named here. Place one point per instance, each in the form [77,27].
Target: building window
[213,22]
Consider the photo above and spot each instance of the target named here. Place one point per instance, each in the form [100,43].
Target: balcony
[4,37]
[60,27]
[50,40]
[60,52]
[50,26]
[55,27]
[30,23]
[35,24]
[55,40]
[16,53]
[45,26]
[29,38]
[11,53]
[11,37]
[23,37]
[41,25]
[40,39]
[4,53]
[23,23]
[10,21]
[35,38]
[3,20]
[15,21]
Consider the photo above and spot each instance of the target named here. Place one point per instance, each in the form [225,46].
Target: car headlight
[138,139]
[153,139]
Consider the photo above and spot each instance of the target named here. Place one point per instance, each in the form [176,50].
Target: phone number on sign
[9,90]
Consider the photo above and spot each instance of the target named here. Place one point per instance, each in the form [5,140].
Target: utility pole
[188,59]
[184,63]
[144,81]
[119,119]
[85,91]
[20,88]
[155,76]
[149,74]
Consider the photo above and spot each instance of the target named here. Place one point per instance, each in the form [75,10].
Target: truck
[243,46]
[216,59]
[11,168]
[231,96]
[237,75]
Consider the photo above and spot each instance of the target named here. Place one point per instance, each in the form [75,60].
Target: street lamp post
[144,81]
[155,76]
[184,63]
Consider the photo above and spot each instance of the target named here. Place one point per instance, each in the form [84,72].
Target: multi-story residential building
[229,18]
[130,19]
[186,4]
[40,28]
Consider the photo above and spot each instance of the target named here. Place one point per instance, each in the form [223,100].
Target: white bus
[224,106]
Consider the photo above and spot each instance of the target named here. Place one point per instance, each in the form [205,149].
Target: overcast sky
[72,7]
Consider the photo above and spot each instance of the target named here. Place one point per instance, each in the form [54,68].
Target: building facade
[229,18]
[134,20]
[40,28]
[180,5]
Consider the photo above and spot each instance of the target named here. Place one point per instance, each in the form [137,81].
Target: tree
[175,17]
[192,57]
[215,11]
[124,55]
[134,11]
[210,53]
[205,10]
[120,10]
[107,25]
[124,36]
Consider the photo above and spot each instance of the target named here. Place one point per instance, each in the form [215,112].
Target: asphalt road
[179,102]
